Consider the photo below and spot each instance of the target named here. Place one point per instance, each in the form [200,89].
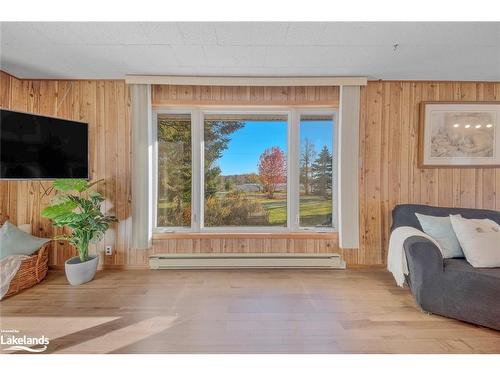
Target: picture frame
[459,134]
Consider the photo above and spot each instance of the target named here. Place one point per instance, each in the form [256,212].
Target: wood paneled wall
[388,152]
[164,95]
[105,106]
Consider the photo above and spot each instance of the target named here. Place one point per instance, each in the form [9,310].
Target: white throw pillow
[479,239]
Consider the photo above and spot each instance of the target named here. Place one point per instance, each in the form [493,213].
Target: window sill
[306,235]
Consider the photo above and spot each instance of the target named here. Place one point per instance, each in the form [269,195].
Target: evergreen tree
[216,136]
[322,173]
[174,169]
[174,164]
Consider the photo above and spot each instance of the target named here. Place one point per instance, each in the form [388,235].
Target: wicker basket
[31,272]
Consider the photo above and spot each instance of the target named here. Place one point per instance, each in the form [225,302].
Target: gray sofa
[449,287]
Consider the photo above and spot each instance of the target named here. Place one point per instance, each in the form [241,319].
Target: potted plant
[78,207]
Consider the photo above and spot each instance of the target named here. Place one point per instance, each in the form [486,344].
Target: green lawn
[314,210]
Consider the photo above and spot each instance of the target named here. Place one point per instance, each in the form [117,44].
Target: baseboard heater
[245,260]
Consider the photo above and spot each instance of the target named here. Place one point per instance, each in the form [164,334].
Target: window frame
[156,113]
[293,115]
[335,174]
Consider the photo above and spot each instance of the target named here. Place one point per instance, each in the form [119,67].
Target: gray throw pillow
[13,241]
[441,230]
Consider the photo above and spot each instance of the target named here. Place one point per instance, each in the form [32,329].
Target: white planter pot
[78,272]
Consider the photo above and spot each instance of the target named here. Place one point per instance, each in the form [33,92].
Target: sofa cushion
[440,229]
[470,294]
[13,241]
[466,269]
[480,240]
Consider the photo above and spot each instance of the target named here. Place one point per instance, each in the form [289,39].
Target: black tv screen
[39,147]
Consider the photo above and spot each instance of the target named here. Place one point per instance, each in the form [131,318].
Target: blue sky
[248,143]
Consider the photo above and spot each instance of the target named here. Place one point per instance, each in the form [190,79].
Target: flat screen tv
[42,148]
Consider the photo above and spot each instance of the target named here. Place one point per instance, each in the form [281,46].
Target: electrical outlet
[109,250]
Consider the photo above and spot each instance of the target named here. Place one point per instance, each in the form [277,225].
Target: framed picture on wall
[459,134]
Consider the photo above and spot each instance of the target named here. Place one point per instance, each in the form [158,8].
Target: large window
[245,170]
[259,170]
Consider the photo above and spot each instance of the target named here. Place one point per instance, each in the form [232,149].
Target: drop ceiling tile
[61,32]
[236,56]
[136,56]
[347,33]
[123,33]
[306,34]
[251,33]
[189,55]
[38,60]
[162,32]
[200,33]
[445,33]
[21,33]
[383,33]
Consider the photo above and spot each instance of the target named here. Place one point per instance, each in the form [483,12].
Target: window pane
[245,170]
[316,171]
[174,171]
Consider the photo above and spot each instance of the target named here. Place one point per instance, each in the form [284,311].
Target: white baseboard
[245,260]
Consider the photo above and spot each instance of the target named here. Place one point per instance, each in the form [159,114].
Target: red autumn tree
[272,169]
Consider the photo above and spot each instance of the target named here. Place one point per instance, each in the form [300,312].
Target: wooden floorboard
[237,311]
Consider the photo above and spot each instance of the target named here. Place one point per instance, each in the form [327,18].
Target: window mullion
[335,172]
[293,171]
[196,171]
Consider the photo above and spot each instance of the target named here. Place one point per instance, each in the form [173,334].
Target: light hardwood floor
[237,311]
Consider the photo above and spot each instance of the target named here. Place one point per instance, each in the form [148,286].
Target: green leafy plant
[78,207]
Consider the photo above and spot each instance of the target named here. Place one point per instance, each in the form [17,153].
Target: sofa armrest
[425,266]
[423,253]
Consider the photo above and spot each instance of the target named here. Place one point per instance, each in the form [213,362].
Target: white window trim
[197,173]
[335,174]
[182,111]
